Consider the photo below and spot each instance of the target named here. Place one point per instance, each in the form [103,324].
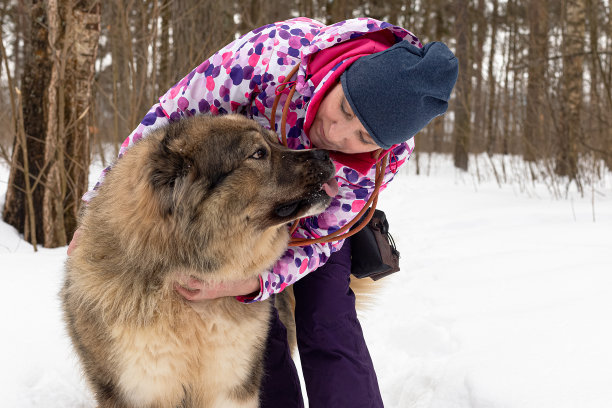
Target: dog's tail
[285,304]
[366,291]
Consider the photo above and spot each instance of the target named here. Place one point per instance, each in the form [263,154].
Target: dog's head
[225,179]
[215,165]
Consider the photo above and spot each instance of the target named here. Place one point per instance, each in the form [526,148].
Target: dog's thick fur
[208,197]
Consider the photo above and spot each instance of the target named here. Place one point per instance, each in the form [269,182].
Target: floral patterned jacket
[243,78]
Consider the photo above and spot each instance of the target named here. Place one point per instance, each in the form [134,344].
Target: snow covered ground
[504,300]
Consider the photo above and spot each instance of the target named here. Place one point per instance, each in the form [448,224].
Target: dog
[208,197]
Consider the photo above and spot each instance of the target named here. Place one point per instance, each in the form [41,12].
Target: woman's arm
[196,290]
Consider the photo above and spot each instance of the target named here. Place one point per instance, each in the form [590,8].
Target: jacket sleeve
[353,193]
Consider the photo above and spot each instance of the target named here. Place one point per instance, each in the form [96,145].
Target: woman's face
[335,126]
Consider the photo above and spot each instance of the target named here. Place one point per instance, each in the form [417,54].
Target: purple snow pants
[335,360]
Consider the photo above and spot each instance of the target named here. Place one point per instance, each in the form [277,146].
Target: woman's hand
[195,290]
[74,242]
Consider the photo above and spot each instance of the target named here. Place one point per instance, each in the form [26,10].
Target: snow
[504,300]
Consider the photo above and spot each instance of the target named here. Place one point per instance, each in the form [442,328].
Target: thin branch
[595,149]
[110,101]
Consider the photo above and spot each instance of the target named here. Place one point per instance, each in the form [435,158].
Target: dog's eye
[259,154]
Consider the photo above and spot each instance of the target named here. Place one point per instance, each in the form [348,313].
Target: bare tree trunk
[21,144]
[596,133]
[573,44]
[53,211]
[120,79]
[196,43]
[379,9]
[439,34]
[257,13]
[333,11]
[34,83]
[22,30]
[82,58]
[511,141]
[395,12]
[251,15]
[491,113]
[608,85]
[463,87]
[164,74]
[155,42]
[306,8]
[478,106]
[506,100]
[536,86]
[408,15]
[73,34]
[141,83]
[425,27]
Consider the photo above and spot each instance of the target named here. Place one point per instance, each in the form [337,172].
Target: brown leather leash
[381,165]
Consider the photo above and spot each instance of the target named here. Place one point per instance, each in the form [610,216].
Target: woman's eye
[259,154]
[345,111]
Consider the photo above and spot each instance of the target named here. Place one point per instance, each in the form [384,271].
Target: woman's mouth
[322,140]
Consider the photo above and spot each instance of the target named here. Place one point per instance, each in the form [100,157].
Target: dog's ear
[168,166]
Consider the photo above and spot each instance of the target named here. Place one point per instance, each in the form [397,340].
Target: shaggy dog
[208,197]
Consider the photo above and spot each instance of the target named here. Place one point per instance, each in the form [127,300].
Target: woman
[361,85]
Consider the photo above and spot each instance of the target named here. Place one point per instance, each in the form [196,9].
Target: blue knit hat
[396,92]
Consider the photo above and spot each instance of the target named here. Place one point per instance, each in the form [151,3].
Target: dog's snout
[320,154]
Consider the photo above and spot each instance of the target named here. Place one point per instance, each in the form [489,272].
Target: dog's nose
[320,154]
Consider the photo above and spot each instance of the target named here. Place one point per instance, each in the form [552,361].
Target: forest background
[76,76]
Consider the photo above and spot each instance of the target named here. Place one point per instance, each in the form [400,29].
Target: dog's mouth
[288,209]
[330,187]
[320,194]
